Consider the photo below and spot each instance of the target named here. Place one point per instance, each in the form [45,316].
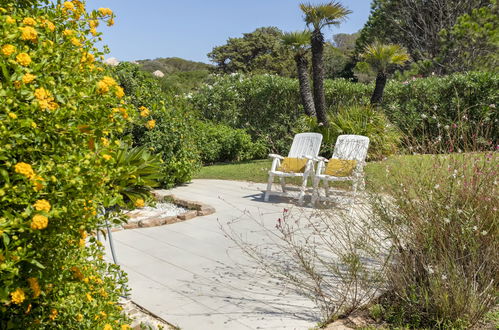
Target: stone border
[196,209]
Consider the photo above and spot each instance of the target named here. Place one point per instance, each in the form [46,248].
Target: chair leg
[315,192]
[326,188]
[269,187]
[302,189]
[283,183]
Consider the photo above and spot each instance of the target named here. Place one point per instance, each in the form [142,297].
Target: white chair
[305,146]
[347,147]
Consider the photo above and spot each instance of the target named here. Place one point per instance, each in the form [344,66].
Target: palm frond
[319,16]
[298,40]
[380,55]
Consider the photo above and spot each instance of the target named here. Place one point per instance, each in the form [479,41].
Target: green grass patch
[376,172]
[257,170]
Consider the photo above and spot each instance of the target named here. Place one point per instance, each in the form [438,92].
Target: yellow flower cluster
[53,314]
[151,124]
[68,5]
[67,32]
[87,58]
[8,50]
[28,33]
[17,296]
[29,21]
[25,169]
[105,84]
[119,92]
[9,20]
[39,222]
[107,157]
[48,24]
[105,11]
[24,59]
[35,287]
[45,99]
[139,203]
[77,273]
[122,111]
[42,205]
[107,327]
[28,77]
[144,112]
[76,42]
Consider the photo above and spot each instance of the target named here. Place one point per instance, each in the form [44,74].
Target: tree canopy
[260,51]
[417,25]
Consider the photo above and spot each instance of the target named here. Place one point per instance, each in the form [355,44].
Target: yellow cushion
[295,165]
[340,167]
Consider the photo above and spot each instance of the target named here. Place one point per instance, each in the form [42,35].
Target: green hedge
[221,143]
[269,106]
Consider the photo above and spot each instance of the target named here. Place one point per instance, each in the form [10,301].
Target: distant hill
[171,65]
[181,76]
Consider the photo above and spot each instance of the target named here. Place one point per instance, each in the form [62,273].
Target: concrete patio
[190,274]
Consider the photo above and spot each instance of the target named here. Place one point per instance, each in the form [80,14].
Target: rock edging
[195,209]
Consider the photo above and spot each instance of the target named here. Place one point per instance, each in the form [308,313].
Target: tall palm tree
[299,42]
[380,58]
[318,17]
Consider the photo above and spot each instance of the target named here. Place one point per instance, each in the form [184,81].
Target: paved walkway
[193,276]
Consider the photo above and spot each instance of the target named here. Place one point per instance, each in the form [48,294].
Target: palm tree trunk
[317,42]
[307,99]
[377,96]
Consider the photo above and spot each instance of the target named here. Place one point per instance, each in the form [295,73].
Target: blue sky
[191,28]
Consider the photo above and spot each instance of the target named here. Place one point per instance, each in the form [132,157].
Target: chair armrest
[314,159]
[321,159]
[275,156]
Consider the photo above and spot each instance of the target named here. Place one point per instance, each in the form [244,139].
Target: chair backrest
[305,144]
[353,147]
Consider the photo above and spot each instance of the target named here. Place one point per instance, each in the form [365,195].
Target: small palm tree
[380,57]
[318,17]
[299,42]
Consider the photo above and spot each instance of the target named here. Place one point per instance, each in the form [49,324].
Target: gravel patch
[161,210]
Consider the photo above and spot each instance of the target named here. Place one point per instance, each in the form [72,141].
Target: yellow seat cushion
[340,167]
[293,165]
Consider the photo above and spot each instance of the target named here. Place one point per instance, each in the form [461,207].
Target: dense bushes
[458,107]
[59,121]
[268,106]
[173,138]
[220,143]
[361,120]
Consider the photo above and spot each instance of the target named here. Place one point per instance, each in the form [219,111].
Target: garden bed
[168,209]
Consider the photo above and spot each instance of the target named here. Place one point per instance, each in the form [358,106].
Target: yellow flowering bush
[58,145]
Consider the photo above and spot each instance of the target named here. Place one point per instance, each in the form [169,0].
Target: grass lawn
[257,170]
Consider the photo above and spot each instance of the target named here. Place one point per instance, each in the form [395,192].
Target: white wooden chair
[347,147]
[305,146]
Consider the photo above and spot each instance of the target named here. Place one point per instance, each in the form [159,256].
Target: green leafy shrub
[221,143]
[268,107]
[458,107]
[60,117]
[141,172]
[172,136]
[360,120]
